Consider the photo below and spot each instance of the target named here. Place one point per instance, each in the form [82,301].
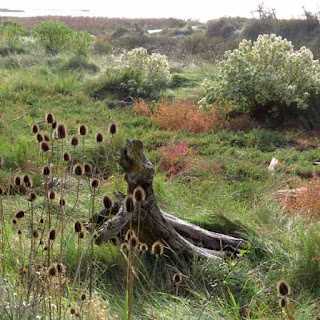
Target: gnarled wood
[179,236]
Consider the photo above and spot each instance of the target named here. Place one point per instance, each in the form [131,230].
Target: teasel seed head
[19,232]
[61,268]
[41,220]
[129,234]
[95,183]
[78,169]
[81,235]
[52,235]
[177,278]
[14,221]
[283,288]
[46,171]
[107,202]
[39,137]
[113,128]
[32,196]
[66,157]
[283,302]
[54,124]
[35,128]
[45,146]
[83,297]
[99,137]
[157,248]
[20,214]
[124,247]
[133,242]
[87,168]
[62,202]
[77,315]
[139,194]
[1,190]
[49,117]
[72,311]
[61,131]
[75,140]
[53,270]
[78,226]
[17,180]
[41,243]
[83,130]
[35,234]
[26,179]
[129,203]
[143,247]
[46,137]
[51,195]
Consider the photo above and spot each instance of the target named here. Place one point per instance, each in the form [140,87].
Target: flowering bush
[267,76]
[146,74]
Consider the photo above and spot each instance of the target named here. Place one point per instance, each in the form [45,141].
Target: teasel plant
[139,196]
[95,183]
[3,230]
[83,131]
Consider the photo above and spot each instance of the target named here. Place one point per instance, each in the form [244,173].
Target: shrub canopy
[267,75]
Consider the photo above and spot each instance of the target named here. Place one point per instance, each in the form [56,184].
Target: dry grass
[304,198]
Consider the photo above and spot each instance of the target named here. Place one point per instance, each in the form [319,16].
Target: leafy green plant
[54,37]
[11,38]
[267,79]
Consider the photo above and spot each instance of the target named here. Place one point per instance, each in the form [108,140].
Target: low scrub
[180,116]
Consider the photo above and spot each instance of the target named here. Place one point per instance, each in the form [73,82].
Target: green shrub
[102,46]
[79,62]
[267,79]
[81,42]
[139,75]
[53,36]
[11,38]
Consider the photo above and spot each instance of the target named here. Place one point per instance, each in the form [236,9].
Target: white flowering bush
[143,74]
[265,75]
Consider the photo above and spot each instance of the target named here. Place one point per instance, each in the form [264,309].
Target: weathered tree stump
[180,237]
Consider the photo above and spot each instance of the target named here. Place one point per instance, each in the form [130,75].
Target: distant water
[53,12]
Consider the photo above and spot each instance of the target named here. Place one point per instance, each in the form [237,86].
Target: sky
[186,9]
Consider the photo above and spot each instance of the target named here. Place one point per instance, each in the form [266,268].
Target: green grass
[238,199]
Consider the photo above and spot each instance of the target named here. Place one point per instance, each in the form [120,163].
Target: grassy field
[230,190]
